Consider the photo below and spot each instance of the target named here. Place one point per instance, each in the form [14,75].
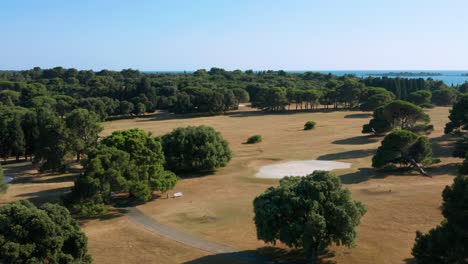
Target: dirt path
[168,232]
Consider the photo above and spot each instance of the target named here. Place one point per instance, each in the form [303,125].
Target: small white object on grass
[178,194]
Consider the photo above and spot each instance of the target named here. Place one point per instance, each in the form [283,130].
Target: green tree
[398,115]
[444,96]
[271,99]
[84,129]
[47,234]
[52,143]
[458,115]
[421,97]
[375,98]
[9,97]
[195,149]
[310,212]
[448,242]
[405,148]
[12,141]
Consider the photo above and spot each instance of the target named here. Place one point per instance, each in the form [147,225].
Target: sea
[448,77]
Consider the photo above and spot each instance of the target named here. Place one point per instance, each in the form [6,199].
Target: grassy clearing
[218,207]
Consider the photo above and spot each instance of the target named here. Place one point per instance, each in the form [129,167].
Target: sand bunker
[299,168]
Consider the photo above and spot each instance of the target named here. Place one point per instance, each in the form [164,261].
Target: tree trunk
[419,168]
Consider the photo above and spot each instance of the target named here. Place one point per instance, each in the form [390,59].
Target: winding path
[171,233]
[174,234]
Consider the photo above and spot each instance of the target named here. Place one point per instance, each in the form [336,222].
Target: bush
[254,139]
[309,125]
[193,149]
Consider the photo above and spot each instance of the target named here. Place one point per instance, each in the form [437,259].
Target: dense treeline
[47,114]
[127,92]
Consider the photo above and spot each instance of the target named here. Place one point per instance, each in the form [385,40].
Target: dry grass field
[218,207]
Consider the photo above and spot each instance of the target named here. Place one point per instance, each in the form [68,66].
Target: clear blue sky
[235,34]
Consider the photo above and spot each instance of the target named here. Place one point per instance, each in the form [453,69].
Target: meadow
[217,206]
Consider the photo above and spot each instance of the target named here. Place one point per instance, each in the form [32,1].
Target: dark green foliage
[421,97]
[461,147]
[458,115]
[51,143]
[444,96]
[195,149]
[376,97]
[254,139]
[398,115]
[448,242]
[404,148]
[310,212]
[84,129]
[47,234]
[309,125]
[128,161]
[463,170]
[12,138]
[271,99]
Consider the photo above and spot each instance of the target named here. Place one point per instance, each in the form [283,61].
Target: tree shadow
[45,196]
[363,115]
[262,255]
[443,146]
[409,260]
[359,140]
[442,169]
[352,154]
[362,175]
[44,179]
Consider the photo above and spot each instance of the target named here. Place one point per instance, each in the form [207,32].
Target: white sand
[299,168]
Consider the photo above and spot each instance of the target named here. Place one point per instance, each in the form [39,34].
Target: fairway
[218,207]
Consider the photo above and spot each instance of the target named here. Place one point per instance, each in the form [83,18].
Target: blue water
[448,77]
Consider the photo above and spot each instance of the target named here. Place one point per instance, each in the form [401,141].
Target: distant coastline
[407,74]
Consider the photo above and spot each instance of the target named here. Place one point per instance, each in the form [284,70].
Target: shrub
[254,139]
[193,149]
[309,125]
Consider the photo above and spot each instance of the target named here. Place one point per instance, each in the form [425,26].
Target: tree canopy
[310,212]
[402,147]
[46,234]
[128,161]
[84,129]
[458,115]
[195,149]
[398,115]
[448,242]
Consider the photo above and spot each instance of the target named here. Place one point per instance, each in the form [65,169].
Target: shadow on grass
[359,140]
[45,196]
[442,169]
[409,261]
[44,179]
[443,146]
[352,154]
[363,115]
[261,255]
[362,175]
